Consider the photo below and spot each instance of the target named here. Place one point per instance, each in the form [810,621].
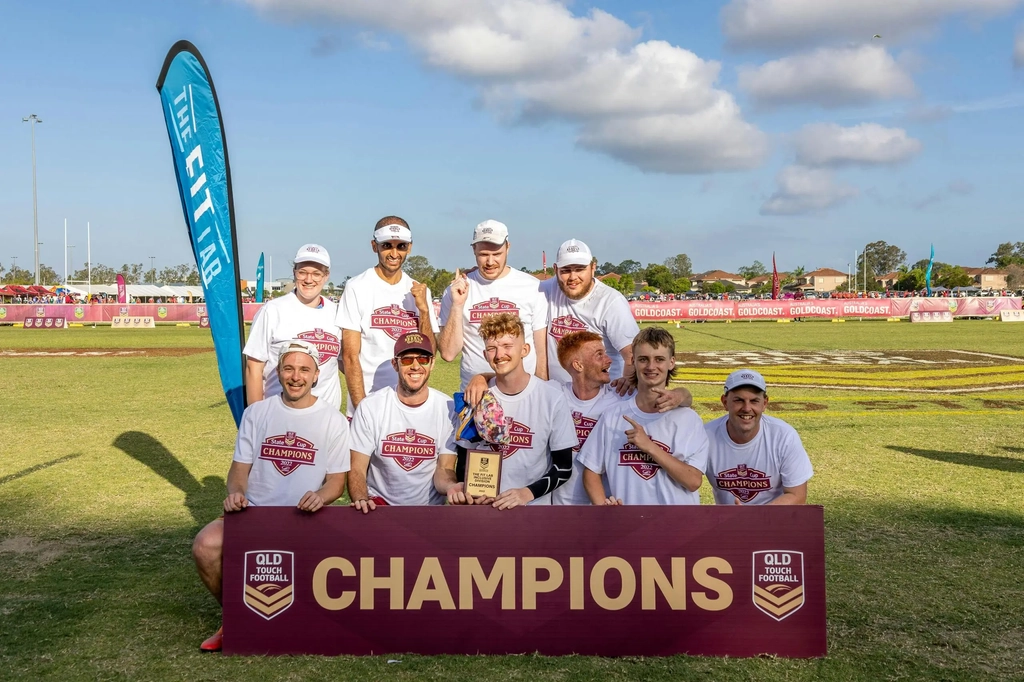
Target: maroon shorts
[379,501]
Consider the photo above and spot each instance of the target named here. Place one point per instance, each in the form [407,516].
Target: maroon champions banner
[821,307]
[608,581]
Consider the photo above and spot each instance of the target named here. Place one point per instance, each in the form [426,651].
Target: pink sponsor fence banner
[642,310]
[823,308]
[105,312]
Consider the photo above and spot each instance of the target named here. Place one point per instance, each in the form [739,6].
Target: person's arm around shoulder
[453,303]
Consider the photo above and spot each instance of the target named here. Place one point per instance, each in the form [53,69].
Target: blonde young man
[377,307]
[537,458]
[302,314]
[403,450]
[640,455]
[308,471]
[754,458]
[492,288]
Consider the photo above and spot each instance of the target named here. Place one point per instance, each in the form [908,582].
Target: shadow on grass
[1010,464]
[201,499]
[38,467]
[1011,449]
[68,620]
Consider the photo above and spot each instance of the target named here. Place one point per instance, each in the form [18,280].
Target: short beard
[578,296]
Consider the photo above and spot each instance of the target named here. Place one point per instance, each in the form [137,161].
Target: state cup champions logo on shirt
[327,344]
[288,452]
[409,449]
[639,461]
[519,437]
[584,425]
[481,311]
[560,326]
[743,482]
[394,320]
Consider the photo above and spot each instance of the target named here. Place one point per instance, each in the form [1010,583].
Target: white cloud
[806,190]
[828,77]
[782,23]
[650,104]
[1018,48]
[828,144]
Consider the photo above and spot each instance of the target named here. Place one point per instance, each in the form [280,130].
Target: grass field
[112,462]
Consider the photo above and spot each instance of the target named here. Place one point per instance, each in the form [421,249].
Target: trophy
[483,473]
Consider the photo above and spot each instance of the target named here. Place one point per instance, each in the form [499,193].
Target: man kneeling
[265,471]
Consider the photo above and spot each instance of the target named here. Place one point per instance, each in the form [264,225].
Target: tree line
[134,273]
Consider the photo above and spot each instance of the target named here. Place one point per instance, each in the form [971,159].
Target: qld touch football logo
[409,449]
[778,582]
[560,326]
[394,320]
[638,460]
[743,482]
[327,344]
[269,582]
[481,311]
[288,452]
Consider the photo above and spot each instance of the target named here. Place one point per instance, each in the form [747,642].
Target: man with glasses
[302,314]
[377,307]
[403,450]
[492,288]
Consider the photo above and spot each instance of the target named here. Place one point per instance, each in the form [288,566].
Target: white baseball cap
[573,252]
[490,231]
[745,377]
[298,346]
[313,253]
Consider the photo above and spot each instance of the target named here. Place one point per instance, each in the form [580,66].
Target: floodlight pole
[152,267]
[88,250]
[32,120]
[65,252]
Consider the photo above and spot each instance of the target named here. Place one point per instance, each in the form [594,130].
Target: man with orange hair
[537,454]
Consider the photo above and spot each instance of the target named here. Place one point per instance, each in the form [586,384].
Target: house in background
[888,280]
[987,278]
[718,276]
[822,279]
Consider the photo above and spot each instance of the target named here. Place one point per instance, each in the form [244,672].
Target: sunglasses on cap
[407,360]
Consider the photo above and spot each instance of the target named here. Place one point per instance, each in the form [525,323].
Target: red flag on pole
[775,279]
[544,261]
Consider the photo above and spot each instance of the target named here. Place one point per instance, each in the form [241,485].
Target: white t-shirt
[756,472]
[517,293]
[282,319]
[404,444]
[291,450]
[632,475]
[541,422]
[381,313]
[604,311]
[585,414]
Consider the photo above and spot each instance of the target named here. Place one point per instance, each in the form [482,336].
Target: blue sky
[723,130]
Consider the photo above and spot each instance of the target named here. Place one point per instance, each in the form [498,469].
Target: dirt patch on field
[102,352]
[40,552]
[938,371]
[853,358]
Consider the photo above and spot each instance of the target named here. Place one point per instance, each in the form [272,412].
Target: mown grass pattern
[112,464]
